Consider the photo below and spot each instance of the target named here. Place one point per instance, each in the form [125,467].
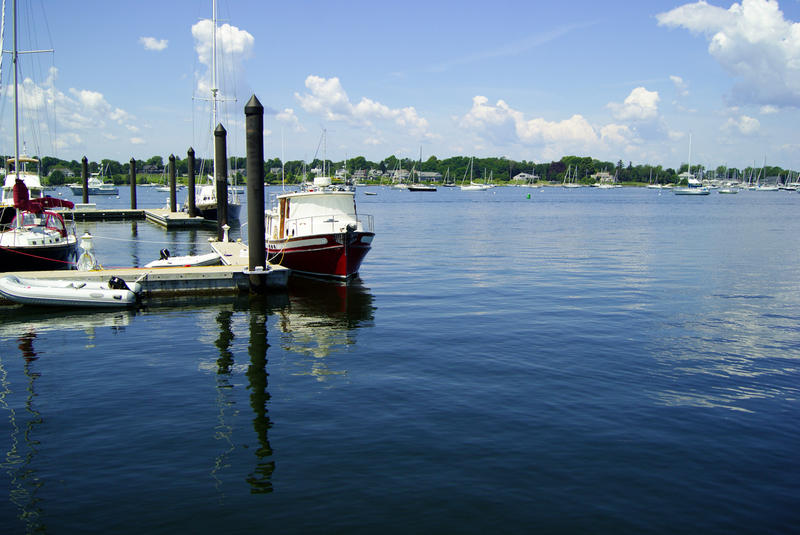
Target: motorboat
[71,293]
[167,260]
[318,232]
[95,186]
[37,238]
[421,187]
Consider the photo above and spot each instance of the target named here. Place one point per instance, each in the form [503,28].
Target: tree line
[499,169]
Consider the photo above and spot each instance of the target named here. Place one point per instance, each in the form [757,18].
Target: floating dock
[160,216]
[233,277]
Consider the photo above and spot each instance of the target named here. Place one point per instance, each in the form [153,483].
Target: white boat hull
[210,259]
[45,292]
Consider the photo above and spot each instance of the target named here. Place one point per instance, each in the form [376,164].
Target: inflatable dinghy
[112,293]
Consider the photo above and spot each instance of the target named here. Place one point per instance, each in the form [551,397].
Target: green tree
[56,178]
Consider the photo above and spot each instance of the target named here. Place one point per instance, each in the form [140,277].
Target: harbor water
[514,360]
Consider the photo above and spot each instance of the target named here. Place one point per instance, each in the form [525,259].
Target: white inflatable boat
[28,291]
[210,259]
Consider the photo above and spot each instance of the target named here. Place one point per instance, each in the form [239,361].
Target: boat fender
[164,254]
[115,283]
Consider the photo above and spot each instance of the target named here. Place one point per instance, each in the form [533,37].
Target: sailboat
[36,238]
[446,182]
[206,195]
[694,186]
[472,186]
[571,179]
[418,185]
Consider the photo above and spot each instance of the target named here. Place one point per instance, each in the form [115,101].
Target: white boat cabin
[313,213]
[30,178]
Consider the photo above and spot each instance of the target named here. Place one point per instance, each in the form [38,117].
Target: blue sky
[526,80]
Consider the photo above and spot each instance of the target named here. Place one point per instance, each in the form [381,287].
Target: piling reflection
[23,478]
[323,318]
[226,405]
[134,244]
[257,309]
[260,479]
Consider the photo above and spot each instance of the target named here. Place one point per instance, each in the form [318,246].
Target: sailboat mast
[214,88]
[14,59]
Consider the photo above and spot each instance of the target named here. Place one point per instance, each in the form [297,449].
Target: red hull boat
[318,233]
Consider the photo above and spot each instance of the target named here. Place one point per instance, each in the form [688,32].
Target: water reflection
[16,319]
[134,244]
[322,318]
[258,309]
[260,479]
[226,405]
[24,480]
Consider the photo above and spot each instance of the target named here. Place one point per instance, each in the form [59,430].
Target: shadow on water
[24,479]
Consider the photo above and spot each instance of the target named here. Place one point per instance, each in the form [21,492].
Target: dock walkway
[160,216]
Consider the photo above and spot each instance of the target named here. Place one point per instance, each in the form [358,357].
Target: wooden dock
[160,216]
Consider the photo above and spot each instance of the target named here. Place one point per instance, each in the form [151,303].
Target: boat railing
[331,223]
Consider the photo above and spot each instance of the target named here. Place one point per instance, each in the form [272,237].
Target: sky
[654,82]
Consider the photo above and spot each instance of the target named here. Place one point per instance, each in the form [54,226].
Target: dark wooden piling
[85,179]
[172,194]
[190,200]
[254,134]
[133,183]
[221,178]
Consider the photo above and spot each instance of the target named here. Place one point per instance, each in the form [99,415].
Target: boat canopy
[316,204]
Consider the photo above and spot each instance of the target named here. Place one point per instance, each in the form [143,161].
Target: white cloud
[502,125]
[768,110]
[328,98]
[616,134]
[744,124]
[680,85]
[151,43]
[69,119]
[91,100]
[754,42]
[233,44]
[287,116]
[640,105]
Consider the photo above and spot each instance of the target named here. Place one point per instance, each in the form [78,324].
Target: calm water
[605,361]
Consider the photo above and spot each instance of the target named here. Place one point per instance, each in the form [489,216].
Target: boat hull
[95,191]
[335,255]
[210,211]
[38,258]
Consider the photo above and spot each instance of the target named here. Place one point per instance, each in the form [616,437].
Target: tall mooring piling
[254,138]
